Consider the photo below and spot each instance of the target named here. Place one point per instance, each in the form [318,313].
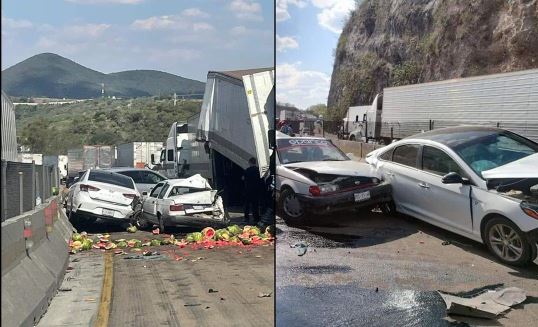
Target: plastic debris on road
[301,248]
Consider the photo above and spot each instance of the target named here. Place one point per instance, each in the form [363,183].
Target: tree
[318,109]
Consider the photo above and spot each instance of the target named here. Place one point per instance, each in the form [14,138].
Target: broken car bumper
[346,200]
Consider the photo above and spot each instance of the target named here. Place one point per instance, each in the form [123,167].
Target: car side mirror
[454,178]
[152,159]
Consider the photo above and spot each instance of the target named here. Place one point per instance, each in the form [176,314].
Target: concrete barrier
[31,276]
[359,149]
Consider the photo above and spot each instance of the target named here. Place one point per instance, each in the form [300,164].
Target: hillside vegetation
[394,42]
[50,75]
[52,130]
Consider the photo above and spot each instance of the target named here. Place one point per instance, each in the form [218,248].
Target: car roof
[455,136]
[281,136]
[114,169]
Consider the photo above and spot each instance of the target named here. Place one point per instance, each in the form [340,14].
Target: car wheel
[161,223]
[352,138]
[507,242]
[291,208]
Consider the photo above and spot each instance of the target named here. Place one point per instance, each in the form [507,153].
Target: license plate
[363,196]
[107,212]
[198,207]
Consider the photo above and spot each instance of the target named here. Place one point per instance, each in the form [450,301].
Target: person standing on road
[253,187]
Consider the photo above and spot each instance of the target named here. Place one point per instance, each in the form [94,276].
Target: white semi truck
[137,154]
[508,100]
[235,122]
[182,155]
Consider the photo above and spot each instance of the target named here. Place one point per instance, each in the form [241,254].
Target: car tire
[291,208]
[507,242]
[161,223]
[352,138]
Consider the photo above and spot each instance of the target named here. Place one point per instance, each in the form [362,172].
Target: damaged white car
[313,176]
[478,182]
[189,201]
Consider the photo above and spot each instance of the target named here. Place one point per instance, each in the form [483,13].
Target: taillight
[129,195]
[314,190]
[86,188]
[176,207]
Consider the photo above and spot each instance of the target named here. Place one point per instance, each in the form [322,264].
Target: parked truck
[36,158]
[183,156]
[138,154]
[508,100]
[60,162]
[90,156]
[236,117]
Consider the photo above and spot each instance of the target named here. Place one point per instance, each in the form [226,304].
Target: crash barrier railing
[34,261]
[26,185]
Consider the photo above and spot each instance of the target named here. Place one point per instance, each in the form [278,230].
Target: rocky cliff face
[398,42]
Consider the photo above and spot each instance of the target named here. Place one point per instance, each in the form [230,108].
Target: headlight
[529,209]
[328,188]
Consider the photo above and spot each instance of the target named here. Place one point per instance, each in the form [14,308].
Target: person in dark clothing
[253,186]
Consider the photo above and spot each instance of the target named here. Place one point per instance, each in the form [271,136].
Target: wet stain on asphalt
[337,240]
[326,269]
[349,305]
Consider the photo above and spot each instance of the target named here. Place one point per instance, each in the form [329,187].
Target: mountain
[53,76]
[394,42]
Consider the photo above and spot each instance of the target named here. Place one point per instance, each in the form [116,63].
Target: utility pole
[175,99]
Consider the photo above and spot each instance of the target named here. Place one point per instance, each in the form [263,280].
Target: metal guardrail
[25,185]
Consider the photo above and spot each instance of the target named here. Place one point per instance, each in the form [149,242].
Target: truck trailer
[90,156]
[236,117]
[507,100]
[138,154]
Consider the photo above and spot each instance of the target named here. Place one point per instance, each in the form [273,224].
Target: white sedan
[478,182]
[102,194]
[189,201]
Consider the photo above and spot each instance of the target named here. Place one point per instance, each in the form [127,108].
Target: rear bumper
[196,219]
[346,200]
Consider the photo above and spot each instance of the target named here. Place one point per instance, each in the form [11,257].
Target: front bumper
[346,200]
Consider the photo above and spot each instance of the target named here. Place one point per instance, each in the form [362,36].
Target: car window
[438,162]
[179,190]
[163,191]
[133,174]
[111,178]
[163,156]
[148,177]
[170,155]
[406,155]
[303,150]
[387,155]
[156,190]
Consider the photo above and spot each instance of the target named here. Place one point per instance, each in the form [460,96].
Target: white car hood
[526,167]
[347,167]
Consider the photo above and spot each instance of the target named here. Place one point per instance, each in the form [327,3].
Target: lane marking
[106,293]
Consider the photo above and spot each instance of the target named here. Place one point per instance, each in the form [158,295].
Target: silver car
[144,179]
[441,177]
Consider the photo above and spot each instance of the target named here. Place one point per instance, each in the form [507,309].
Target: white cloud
[246,9]
[72,39]
[302,88]
[333,13]
[285,42]
[281,9]
[15,23]
[202,27]
[195,12]
[93,2]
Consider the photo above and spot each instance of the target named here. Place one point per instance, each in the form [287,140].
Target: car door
[447,204]
[161,199]
[401,172]
[150,203]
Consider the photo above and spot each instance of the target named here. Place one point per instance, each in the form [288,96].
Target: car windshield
[304,150]
[494,150]
[111,178]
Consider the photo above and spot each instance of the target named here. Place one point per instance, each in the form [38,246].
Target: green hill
[53,76]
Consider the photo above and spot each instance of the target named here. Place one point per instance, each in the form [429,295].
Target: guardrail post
[44,177]
[21,193]
[34,189]
[4,190]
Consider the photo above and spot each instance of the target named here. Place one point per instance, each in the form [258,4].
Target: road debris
[301,248]
[212,291]
[261,294]
[132,229]
[488,304]
[446,243]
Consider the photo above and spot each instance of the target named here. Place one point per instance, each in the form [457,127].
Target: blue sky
[186,38]
[307,33]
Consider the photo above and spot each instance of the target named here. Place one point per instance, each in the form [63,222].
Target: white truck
[508,100]
[353,125]
[36,158]
[89,156]
[237,115]
[182,155]
[137,154]
[59,161]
